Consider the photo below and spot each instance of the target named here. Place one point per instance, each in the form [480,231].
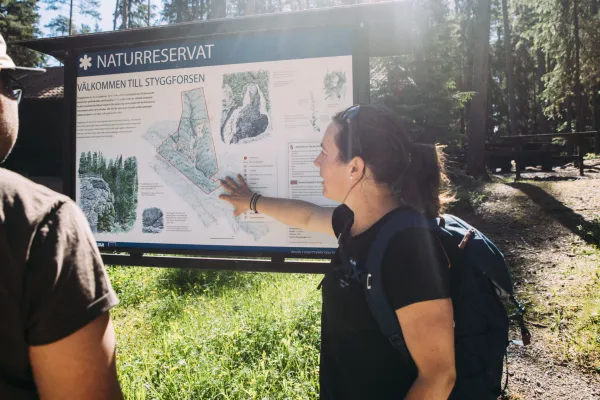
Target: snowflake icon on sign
[85,62]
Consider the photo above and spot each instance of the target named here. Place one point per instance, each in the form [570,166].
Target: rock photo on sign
[245,116]
[108,191]
[152,220]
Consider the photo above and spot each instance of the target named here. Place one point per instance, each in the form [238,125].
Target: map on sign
[154,140]
[190,149]
[186,160]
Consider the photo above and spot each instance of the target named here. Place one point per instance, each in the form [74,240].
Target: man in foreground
[56,336]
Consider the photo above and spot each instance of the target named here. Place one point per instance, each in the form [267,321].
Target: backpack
[479,277]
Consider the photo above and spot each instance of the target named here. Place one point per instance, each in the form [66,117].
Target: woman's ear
[357,168]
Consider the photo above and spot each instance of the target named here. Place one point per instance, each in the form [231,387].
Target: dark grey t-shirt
[52,279]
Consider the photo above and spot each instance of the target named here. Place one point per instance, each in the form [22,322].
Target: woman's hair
[415,172]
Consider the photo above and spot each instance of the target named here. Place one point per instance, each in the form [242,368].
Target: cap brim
[31,69]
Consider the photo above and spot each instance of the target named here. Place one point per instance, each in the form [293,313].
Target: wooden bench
[539,149]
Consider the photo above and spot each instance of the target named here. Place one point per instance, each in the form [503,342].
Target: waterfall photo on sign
[246,107]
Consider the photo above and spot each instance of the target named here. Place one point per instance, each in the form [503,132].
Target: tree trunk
[179,13]
[481,67]
[489,103]
[596,116]
[218,9]
[536,108]
[461,81]
[580,121]
[595,96]
[524,96]
[468,71]
[116,15]
[129,12]
[71,18]
[512,107]
[124,6]
[463,113]
[569,111]
[541,70]
[195,11]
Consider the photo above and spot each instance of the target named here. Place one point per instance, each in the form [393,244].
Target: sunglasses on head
[350,116]
[351,112]
[11,86]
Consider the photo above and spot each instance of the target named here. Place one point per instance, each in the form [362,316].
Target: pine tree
[106,220]
[566,33]
[89,161]
[18,21]
[420,86]
[82,164]
[130,14]
[65,23]
[176,11]
[101,165]
[128,194]
[95,163]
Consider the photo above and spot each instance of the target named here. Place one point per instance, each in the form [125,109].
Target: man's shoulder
[19,195]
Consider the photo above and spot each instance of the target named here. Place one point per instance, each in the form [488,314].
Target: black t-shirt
[52,279]
[357,361]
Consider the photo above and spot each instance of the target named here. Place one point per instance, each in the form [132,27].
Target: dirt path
[536,223]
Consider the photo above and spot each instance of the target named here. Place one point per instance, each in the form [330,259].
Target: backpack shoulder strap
[382,311]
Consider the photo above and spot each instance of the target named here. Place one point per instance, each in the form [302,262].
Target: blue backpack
[479,276]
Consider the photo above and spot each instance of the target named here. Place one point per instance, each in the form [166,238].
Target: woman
[369,165]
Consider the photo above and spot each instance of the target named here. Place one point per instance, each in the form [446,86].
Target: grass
[467,195]
[576,319]
[591,156]
[216,335]
[592,230]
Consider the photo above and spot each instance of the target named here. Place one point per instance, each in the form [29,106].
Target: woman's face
[335,174]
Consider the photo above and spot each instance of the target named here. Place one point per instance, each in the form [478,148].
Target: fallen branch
[536,324]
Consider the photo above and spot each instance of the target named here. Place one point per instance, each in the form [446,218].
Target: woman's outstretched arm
[296,213]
